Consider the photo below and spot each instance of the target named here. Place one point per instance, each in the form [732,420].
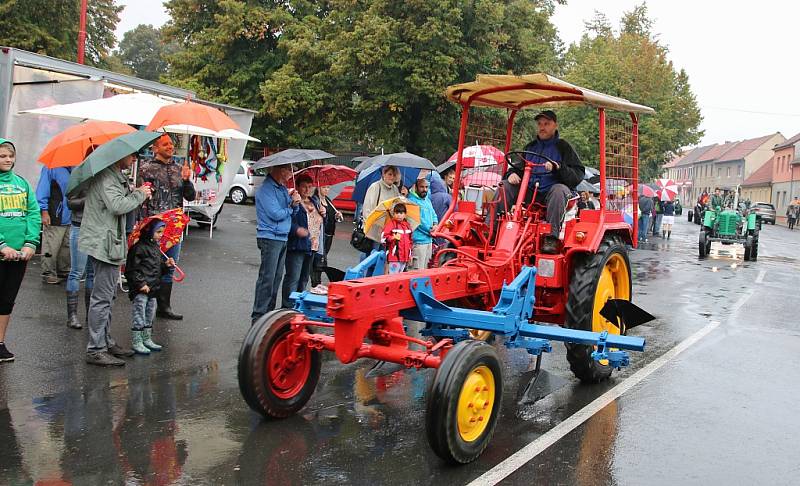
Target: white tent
[133,109]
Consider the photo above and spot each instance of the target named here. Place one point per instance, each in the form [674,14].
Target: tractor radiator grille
[727,224]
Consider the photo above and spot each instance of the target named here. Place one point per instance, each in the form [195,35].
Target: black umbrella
[591,175]
[403,159]
[586,186]
[291,156]
[442,168]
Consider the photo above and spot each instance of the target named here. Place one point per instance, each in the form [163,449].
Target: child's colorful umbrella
[175,222]
[373,226]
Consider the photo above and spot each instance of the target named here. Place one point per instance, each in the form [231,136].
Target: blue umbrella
[372,174]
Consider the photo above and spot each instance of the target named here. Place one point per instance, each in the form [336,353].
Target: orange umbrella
[191,114]
[68,148]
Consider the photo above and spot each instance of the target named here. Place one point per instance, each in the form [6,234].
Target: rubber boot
[669,233]
[147,339]
[87,299]
[72,311]
[138,343]
[663,234]
[164,308]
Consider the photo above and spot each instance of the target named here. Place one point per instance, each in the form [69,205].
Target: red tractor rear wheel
[596,278]
[276,376]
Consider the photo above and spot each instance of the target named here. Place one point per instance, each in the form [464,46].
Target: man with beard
[422,250]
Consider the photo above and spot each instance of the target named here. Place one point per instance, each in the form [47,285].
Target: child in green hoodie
[20,223]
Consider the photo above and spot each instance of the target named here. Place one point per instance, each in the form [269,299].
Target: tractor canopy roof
[534,91]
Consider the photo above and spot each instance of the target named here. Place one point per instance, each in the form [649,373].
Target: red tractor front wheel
[276,375]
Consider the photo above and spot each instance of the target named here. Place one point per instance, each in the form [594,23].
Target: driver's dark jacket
[570,172]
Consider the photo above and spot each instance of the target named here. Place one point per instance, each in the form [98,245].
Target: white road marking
[533,449]
[760,278]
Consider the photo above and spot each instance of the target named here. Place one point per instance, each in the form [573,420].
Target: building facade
[785,176]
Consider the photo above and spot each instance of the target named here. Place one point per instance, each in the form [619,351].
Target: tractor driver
[556,180]
[716,200]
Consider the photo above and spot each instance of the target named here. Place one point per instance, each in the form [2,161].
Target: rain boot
[164,308]
[87,299]
[138,343]
[147,339]
[72,311]
[663,234]
[669,233]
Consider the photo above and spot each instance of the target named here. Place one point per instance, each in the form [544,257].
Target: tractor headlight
[546,267]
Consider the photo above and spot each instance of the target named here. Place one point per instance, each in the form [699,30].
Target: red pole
[82,33]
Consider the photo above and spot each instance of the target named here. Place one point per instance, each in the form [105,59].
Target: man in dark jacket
[556,179]
[170,185]
[52,196]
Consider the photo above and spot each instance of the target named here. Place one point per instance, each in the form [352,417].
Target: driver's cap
[549,114]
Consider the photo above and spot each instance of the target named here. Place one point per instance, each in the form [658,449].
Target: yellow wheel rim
[614,283]
[480,335]
[475,403]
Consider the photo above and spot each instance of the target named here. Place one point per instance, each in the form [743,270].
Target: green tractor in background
[730,227]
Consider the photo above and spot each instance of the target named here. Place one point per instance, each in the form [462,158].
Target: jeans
[55,250]
[555,199]
[657,224]
[175,253]
[644,225]
[273,256]
[298,269]
[79,264]
[104,292]
[143,311]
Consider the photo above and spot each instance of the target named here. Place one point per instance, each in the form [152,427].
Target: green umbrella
[108,154]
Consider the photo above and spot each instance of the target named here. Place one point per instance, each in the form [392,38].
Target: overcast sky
[738,59]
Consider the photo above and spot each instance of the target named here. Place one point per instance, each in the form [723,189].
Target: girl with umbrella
[332,216]
[20,222]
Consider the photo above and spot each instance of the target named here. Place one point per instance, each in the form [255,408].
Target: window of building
[739,171]
[719,172]
[728,172]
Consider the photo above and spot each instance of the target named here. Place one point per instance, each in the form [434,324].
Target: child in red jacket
[397,238]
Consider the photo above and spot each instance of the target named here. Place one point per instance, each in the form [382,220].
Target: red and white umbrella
[479,156]
[483,179]
[667,189]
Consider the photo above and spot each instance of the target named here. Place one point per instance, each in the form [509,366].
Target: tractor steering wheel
[518,159]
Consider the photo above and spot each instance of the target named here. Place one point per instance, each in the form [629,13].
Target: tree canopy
[633,64]
[143,52]
[51,28]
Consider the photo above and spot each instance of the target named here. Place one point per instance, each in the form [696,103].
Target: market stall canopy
[291,156]
[133,109]
[533,91]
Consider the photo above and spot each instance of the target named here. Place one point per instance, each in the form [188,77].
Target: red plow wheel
[276,376]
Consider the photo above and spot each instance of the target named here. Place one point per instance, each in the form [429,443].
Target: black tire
[703,244]
[268,332]
[238,196]
[464,361]
[748,249]
[754,251]
[583,285]
[689,213]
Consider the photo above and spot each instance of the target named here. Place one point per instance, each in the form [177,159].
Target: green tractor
[730,227]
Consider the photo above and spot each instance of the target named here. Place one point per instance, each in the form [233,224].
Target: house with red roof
[681,170]
[743,159]
[785,175]
[758,187]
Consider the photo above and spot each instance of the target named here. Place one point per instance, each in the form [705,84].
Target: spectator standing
[381,190]
[51,194]
[332,216]
[422,238]
[274,210]
[397,238]
[669,219]
[440,195]
[102,237]
[20,222]
[646,209]
[659,215]
[793,213]
[171,185]
[305,240]
[79,263]
[144,268]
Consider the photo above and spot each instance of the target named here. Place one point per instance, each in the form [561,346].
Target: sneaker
[319,290]
[5,354]
[120,352]
[101,358]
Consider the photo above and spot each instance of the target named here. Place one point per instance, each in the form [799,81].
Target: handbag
[359,240]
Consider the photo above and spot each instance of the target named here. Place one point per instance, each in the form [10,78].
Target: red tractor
[491,278]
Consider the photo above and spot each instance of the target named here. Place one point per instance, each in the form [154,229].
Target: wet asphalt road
[720,413]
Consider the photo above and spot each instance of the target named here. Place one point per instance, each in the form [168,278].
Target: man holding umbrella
[102,237]
[171,185]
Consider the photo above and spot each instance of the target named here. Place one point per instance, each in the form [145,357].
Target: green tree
[144,53]
[373,73]
[51,28]
[632,64]
[226,49]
